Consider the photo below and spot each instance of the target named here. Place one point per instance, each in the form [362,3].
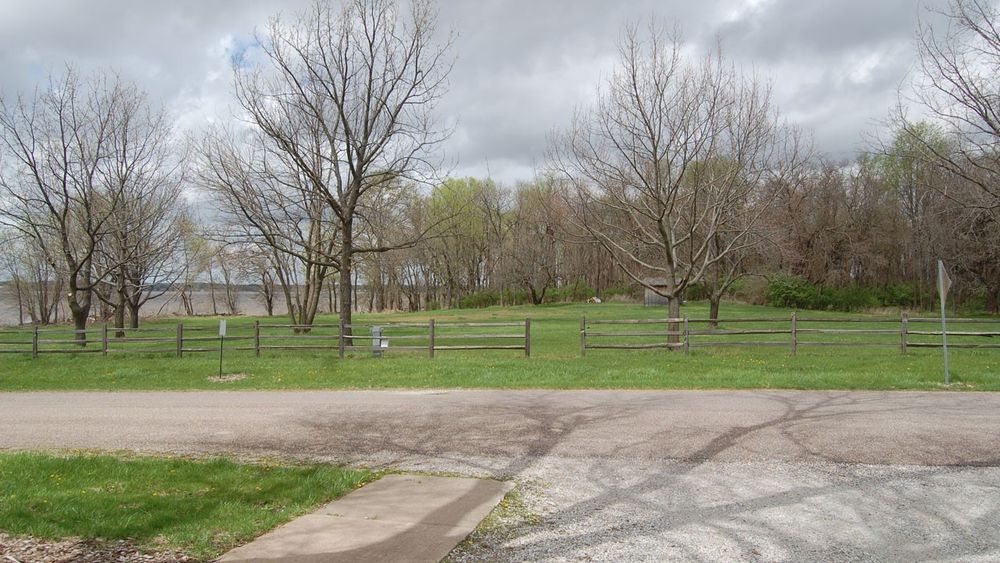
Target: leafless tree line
[327,189]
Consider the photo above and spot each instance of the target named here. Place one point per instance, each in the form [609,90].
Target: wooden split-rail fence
[684,333]
[378,339]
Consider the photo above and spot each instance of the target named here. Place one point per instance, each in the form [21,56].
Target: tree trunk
[674,311]
[119,311]
[20,301]
[80,312]
[120,318]
[133,312]
[346,282]
[186,299]
[211,286]
[713,309]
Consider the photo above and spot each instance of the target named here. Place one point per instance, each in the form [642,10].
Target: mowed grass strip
[555,361]
[202,508]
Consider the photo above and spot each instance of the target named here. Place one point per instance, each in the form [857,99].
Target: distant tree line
[325,191]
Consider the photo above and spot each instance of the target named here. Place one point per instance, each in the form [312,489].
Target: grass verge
[200,507]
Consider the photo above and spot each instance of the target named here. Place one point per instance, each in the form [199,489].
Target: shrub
[695,292]
[785,290]
[479,300]
[897,295]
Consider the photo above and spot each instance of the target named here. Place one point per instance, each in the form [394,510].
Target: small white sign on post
[222,327]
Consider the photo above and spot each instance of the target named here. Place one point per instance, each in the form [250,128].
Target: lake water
[167,305]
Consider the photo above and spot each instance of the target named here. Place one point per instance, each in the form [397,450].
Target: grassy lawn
[203,508]
[555,362]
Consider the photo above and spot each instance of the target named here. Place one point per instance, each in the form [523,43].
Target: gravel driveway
[614,475]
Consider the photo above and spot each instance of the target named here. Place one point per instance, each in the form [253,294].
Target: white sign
[944,281]
[222,327]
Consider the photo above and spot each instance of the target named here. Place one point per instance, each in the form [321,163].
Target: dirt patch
[28,549]
[227,378]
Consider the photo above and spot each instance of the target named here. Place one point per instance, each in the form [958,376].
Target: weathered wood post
[180,340]
[340,340]
[104,339]
[256,338]
[527,338]
[795,333]
[583,336]
[34,342]
[904,330]
[687,344]
[430,339]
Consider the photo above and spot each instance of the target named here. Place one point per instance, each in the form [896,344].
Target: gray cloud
[522,66]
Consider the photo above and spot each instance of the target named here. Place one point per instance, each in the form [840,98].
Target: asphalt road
[769,475]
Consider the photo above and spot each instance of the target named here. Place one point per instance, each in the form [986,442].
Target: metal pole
[944,345]
[222,343]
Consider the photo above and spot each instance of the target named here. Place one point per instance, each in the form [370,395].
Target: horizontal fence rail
[792,332]
[375,338]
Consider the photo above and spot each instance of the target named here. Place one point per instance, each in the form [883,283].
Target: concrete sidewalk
[397,518]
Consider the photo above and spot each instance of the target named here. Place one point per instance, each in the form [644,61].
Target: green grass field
[555,359]
[202,508]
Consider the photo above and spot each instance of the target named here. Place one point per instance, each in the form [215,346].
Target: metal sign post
[944,284]
[222,342]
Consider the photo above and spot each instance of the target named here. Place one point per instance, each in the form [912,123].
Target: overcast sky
[522,65]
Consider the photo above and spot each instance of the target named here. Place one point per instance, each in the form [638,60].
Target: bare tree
[61,189]
[667,159]
[256,263]
[958,84]
[535,250]
[141,247]
[194,255]
[341,105]
[33,283]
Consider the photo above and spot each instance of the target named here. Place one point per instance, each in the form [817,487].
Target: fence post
[256,338]
[430,336]
[795,332]
[527,338]
[340,340]
[904,330]
[583,335]
[180,340]
[34,342]
[687,343]
[104,339]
